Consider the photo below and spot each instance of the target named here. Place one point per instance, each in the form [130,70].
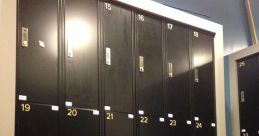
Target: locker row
[248,74]
[46,120]
[91,56]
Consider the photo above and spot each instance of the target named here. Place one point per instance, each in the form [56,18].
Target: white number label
[108,6]
[170,26]
[141,17]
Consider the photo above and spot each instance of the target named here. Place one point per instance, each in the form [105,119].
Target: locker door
[79,122]
[81,53]
[150,126]
[177,83]
[149,87]
[37,50]
[118,56]
[248,94]
[118,124]
[37,120]
[203,94]
[174,127]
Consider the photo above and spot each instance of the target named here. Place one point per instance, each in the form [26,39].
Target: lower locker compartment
[119,124]
[178,127]
[80,122]
[205,128]
[151,126]
[37,120]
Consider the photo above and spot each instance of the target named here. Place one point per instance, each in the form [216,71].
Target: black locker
[37,120]
[203,93]
[177,76]
[37,50]
[248,94]
[151,126]
[80,122]
[119,124]
[81,53]
[149,66]
[118,58]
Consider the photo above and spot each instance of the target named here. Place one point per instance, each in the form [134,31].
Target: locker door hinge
[170,70]
[141,63]
[241,64]
[242,95]
[196,75]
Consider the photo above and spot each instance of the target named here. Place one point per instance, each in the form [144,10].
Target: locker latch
[108,56]
[242,95]
[69,49]
[170,70]
[196,75]
[141,63]
[25,37]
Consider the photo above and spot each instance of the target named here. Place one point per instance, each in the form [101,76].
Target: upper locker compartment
[177,78]
[81,53]
[118,58]
[248,94]
[149,65]
[203,91]
[37,51]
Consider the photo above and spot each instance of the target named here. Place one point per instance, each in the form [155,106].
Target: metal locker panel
[203,91]
[80,122]
[248,94]
[177,86]
[151,126]
[149,65]
[119,124]
[82,53]
[37,120]
[118,73]
[37,62]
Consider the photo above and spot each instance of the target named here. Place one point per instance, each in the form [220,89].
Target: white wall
[7,66]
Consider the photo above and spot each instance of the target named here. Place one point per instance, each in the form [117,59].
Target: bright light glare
[200,60]
[78,32]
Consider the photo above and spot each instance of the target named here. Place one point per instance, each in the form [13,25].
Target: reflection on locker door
[79,122]
[177,83]
[203,92]
[151,126]
[37,51]
[81,53]
[119,124]
[149,86]
[37,120]
[248,94]
[118,56]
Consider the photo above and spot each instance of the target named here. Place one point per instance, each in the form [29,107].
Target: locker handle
[141,63]
[108,56]
[170,70]
[196,75]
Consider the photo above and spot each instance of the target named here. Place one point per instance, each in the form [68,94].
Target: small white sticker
[243,130]
[96,112]
[130,116]
[213,124]
[141,112]
[170,115]
[189,122]
[196,118]
[162,119]
[22,98]
[42,44]
[55,108]
[107,108]
[69,104]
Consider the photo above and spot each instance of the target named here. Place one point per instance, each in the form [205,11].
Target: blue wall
[230,13]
